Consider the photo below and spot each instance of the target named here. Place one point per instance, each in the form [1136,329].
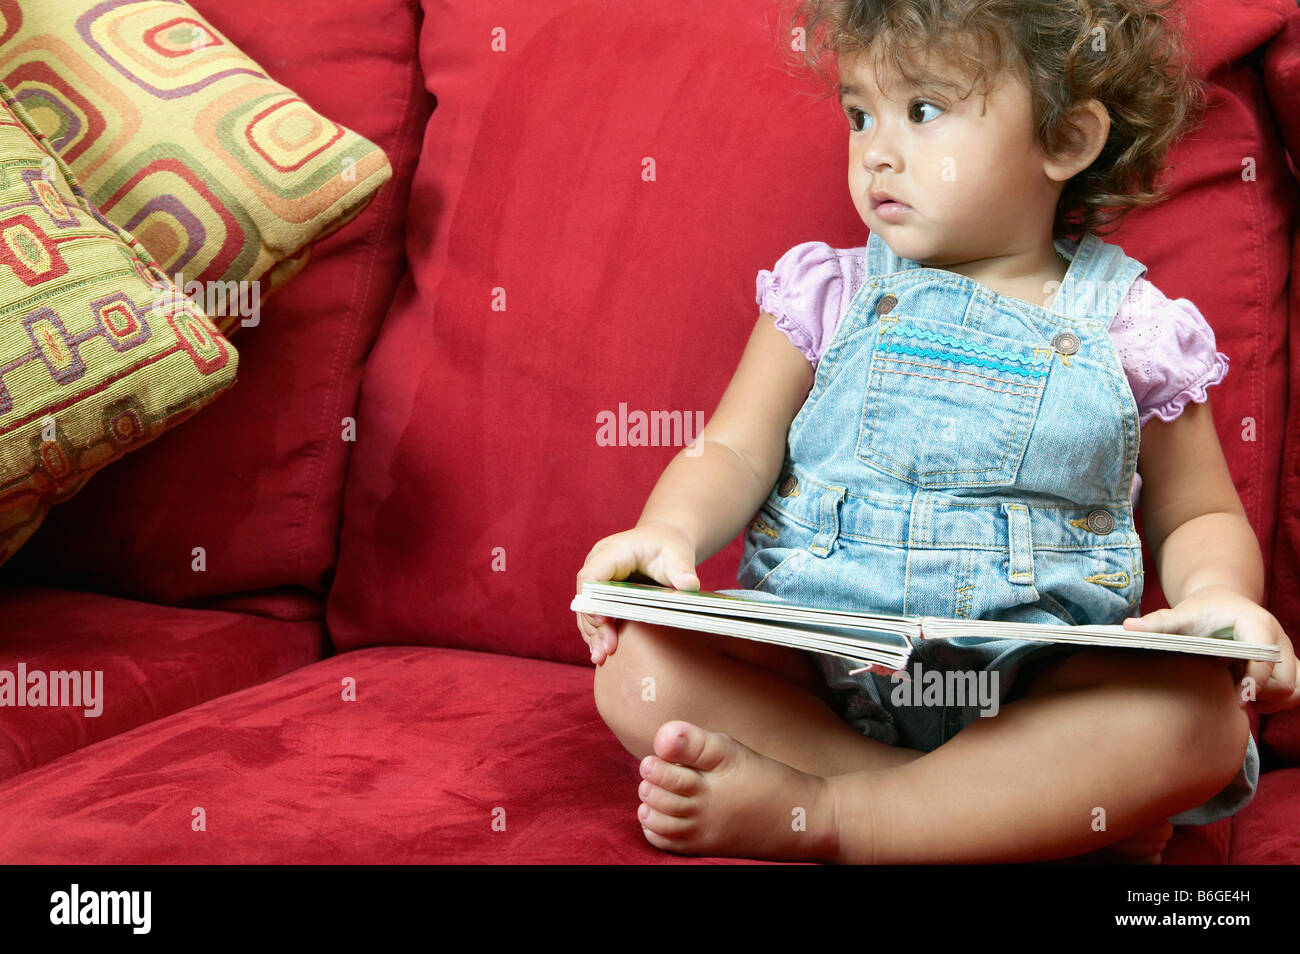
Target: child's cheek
[948,193]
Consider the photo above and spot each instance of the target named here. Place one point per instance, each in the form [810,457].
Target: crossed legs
[742,755]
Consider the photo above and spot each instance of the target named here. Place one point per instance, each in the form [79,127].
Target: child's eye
[920,102]
[857,119]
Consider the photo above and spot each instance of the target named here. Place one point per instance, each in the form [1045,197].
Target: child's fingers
[1271,685]
[1284,702]
[584,630]
[610,564]
[602,640]
[1160,621]
[614,561]
[599,624]
[1277,698]
[594,636]
[1278,690]
[681,573]
[1251,688]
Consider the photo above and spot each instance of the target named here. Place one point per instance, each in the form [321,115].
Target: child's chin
[904,246]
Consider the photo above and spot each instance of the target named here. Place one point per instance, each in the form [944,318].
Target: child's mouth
[892,209]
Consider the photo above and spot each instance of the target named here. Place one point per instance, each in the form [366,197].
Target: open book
[881,642]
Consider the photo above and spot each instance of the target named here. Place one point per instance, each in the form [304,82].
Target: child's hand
[1215,607]
[659,550]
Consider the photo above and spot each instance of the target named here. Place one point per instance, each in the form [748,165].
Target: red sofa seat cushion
[1265,831]
[437,745]
[155,660]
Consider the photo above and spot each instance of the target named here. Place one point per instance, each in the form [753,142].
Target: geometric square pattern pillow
[98,353]
[223,174]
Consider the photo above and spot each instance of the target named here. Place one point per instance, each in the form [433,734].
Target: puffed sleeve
[805,292]
[1168,351]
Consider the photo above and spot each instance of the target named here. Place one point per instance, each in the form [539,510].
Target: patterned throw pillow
[223,174]
[98,353]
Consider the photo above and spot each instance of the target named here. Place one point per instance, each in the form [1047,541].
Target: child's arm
[1205,551]
[712,490]
[1196,527]
[712,487]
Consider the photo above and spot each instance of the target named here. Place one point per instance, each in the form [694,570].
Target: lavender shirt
[1166,347]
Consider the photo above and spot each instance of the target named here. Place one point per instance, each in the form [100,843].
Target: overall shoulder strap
[1098,279]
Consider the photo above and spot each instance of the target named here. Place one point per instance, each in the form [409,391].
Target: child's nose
[880,153]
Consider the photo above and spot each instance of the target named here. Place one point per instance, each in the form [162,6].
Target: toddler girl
[947,422]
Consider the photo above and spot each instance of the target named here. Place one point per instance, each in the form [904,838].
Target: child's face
[970,170]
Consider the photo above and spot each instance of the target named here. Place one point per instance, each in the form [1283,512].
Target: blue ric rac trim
[1022,365]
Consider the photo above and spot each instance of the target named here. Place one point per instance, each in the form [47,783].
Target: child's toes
[662,800]
[658,840]
[1138,849]
[667,826]
[675,778]
[683,742]
[1146,856]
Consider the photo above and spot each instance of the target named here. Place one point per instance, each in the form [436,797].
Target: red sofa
[378,663]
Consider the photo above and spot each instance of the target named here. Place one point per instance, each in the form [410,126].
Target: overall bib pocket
[949,406]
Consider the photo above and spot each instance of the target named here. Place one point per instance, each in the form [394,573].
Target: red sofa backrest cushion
[552,281]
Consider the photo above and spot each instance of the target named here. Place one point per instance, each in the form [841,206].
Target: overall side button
[1101,521]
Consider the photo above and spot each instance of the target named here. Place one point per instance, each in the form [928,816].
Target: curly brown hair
[1127,54]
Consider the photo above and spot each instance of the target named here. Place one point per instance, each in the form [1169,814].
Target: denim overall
[964,454]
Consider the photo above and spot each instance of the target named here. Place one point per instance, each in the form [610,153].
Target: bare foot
[1144,847]
[707,794]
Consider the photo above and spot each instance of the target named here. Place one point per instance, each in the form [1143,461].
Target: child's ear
[1084,134]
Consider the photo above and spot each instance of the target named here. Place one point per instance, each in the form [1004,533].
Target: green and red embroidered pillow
[98,352]
[175,134]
